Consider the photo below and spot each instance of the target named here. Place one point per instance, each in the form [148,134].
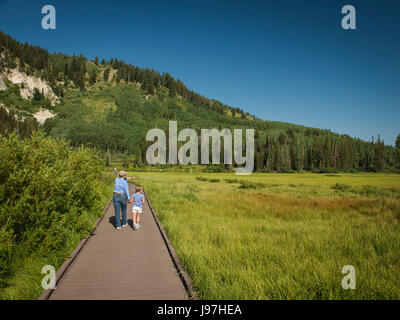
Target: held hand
[130,201]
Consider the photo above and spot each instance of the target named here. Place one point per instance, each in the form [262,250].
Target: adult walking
[121,198]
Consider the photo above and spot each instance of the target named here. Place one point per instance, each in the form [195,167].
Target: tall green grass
[289,239]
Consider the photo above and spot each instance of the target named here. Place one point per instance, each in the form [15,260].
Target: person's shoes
[125,225]
[118,228]
[134,226]
[138,226]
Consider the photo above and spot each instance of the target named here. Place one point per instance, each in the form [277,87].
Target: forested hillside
[111,105]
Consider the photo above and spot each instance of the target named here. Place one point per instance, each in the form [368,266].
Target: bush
[6,247]
[232,180]
[49,197]
[251,185]
[216,169]
[368,191]
[371,191]
[341,187]
[201,179]
[207,179]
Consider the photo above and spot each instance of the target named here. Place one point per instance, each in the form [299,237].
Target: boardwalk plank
[122,264]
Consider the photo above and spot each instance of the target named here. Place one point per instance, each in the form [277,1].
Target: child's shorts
[137,210]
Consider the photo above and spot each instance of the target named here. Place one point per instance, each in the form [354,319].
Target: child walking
[137,209]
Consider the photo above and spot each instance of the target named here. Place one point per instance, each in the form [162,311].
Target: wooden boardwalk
[122,264]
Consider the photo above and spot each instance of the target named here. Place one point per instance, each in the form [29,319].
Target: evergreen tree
[66,70]
[379,156]
[93,77]
[108,159]
[172,92]
[125,162]
[139,157]
[37,95]
[106,74]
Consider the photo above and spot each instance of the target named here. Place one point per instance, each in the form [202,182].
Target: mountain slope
[111,105]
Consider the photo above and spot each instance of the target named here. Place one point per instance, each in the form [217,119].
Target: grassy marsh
[287,236]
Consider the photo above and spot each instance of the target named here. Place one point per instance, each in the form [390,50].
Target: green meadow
[282,236]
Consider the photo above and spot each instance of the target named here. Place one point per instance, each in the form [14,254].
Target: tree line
[323,153]
[10,122]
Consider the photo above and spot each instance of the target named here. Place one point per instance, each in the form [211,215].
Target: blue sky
[286,60]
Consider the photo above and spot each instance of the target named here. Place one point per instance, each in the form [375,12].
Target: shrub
[49,197]
[207,179]
[232,180]
[202,179]
[371,191]
[251,185]
[216,169]
[6,247]
[368,191]
[341,187]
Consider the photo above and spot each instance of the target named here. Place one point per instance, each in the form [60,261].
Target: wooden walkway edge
[123,264]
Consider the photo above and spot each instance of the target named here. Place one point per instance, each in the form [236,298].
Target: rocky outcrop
[43,115]
[28,85]
[40,116]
